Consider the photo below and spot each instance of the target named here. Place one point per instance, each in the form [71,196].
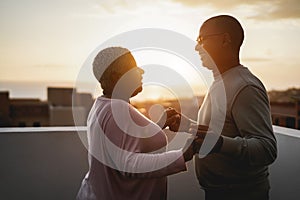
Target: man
[237,165]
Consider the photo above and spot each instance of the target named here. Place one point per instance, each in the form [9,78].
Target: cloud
[256,59]
[264,10]
[217,3]
[113,6]
[283,10]
[54,66]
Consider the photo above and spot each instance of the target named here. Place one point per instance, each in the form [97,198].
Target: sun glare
[168,76]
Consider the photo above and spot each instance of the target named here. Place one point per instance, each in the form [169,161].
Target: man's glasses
[200,39]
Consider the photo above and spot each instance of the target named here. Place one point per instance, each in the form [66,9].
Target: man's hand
[178,122]
[169,116]
[200,131]
[191,147]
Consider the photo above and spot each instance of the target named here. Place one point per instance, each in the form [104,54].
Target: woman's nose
[141,70]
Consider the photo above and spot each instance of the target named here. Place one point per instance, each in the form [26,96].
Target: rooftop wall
[50,162]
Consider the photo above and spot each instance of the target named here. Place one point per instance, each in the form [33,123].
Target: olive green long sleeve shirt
[237,107]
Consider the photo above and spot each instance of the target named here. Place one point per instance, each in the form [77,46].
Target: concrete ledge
[43,129]
[45,164]
[49,163]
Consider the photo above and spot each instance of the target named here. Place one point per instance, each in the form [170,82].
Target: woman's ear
[115,76]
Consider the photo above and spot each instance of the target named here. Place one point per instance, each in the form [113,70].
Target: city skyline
[48,41]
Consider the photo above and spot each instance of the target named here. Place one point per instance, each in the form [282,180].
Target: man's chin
[207,66]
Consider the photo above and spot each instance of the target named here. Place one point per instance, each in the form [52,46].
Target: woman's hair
[108,63]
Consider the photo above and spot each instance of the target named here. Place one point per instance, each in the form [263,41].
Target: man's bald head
[230,25]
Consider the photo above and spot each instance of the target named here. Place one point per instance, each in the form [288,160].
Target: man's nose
[200,49]
[197,47]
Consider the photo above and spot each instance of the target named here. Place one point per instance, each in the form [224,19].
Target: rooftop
[50,162]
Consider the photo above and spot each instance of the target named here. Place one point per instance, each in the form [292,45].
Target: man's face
[209,45]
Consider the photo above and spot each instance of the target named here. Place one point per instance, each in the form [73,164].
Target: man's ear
[226,39]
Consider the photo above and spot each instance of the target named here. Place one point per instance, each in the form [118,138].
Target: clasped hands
[178,122]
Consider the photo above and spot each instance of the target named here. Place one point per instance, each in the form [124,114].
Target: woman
[127,158]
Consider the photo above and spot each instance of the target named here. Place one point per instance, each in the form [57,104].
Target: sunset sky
[43,40]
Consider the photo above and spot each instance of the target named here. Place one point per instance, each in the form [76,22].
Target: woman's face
[134,80]
[129,80]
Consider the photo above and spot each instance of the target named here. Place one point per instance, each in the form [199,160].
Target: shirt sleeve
[256,144]
[157,165]
[126,149]
[133,163]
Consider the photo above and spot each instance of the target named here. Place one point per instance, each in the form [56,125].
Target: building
[4,109]
[65,107]
[286,114]
[29,112]
[22,112]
